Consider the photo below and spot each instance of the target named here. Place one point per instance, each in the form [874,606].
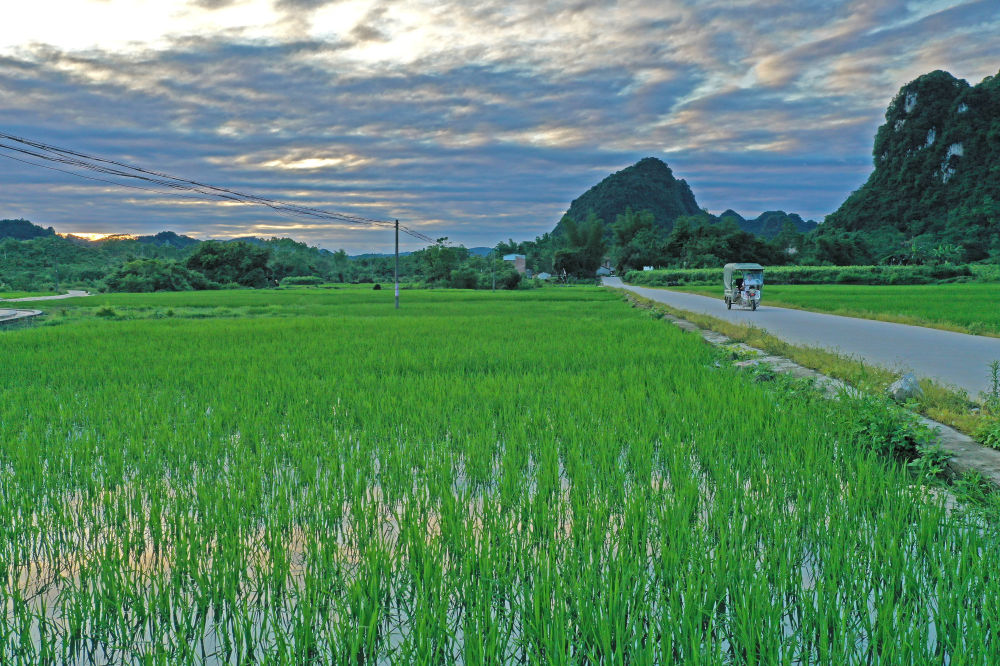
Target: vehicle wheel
[729,304]
[753,304]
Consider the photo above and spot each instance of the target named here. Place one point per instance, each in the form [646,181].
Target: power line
[121,169]
[174,185]
[100,180]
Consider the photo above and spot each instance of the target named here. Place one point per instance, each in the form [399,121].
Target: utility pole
[493,268]
[396,271]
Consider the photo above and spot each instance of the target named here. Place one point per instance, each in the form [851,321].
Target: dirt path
[956,359]
[72,293]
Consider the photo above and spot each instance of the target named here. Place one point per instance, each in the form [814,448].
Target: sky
[479,121]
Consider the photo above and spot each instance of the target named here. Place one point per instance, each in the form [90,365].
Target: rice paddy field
[511,478]
[966,307]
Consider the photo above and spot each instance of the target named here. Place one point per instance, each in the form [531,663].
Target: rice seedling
[533,477]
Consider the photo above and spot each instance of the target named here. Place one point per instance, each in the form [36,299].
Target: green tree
[463,277]
[438,261]
[149,275]
[341,265]
[584,249]
[233,262]
[637,241]
[507,276]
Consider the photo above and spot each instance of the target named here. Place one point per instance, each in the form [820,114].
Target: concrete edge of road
[967,455]
[17,316]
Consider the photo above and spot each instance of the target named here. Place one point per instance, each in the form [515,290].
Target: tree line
[36,259]
[635,240]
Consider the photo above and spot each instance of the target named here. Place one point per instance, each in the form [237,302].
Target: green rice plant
[543,476]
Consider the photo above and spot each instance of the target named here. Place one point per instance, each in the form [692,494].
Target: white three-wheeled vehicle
[743,284]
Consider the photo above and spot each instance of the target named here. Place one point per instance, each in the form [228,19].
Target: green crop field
[970,307]
[523,477]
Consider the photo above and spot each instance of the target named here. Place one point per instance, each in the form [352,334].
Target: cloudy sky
[473,120]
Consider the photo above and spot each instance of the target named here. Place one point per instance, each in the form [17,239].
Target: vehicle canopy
[752,274]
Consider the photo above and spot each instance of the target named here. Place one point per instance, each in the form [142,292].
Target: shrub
[463,278]
[509,278]
[988,433]
[294,280]
[882,426]
[985,272]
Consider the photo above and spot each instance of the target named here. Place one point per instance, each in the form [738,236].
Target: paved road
[952,358]
[7,316]
[72,293]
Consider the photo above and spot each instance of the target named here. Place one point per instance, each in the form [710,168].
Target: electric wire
[83,160]
[100,180]
[175,186]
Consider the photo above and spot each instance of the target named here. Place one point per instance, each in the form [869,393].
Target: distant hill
[477,251]
[23,230]
[379,255]
[770,223]
[649,184]
[169,239]
[937,168]
[253,240]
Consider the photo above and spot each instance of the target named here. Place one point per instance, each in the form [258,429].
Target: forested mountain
[933,196]
[169,239]
[23,230]
[771,223]
[649,184]
[936,181]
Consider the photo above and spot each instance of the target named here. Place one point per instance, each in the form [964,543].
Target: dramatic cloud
[477,121]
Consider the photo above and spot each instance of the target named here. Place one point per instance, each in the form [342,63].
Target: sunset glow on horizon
[96,236]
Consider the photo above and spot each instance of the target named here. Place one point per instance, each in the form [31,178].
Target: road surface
[956,359]
[8,316]
[72,293]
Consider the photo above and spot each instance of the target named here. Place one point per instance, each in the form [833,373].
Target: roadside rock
[905,388]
